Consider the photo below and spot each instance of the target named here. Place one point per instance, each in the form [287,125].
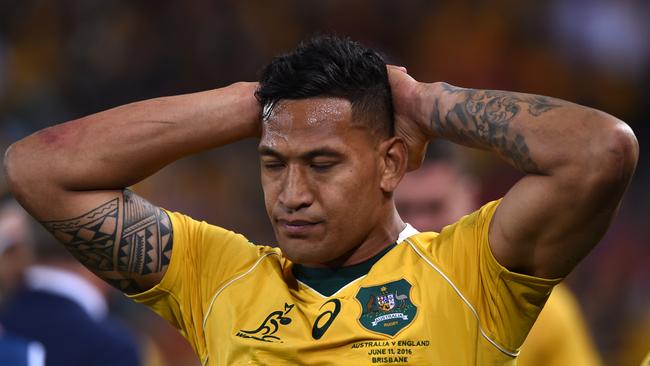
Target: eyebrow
[309,155]
[267,151]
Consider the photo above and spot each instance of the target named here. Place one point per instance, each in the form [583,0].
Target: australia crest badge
[386,308]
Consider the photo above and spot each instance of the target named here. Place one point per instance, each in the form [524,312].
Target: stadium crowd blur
[60,60]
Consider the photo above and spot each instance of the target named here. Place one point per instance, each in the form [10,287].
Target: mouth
[298,228]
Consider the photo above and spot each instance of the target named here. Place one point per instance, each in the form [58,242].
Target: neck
[382,235]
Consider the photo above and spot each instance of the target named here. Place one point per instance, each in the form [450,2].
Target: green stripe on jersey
[329,280]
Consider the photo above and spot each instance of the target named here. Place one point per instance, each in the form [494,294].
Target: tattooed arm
[122,241]
[73,176]
[578,162]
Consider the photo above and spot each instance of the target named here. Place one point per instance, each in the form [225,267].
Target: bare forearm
[118,147]
[536,134]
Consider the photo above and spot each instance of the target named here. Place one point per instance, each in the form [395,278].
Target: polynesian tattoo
[484,116]
[120,240]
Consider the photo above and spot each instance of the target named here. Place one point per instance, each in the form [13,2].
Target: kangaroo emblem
[266,331]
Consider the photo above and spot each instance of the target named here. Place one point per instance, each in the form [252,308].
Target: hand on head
[409,124]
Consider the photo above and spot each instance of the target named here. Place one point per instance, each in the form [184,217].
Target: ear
[394,156]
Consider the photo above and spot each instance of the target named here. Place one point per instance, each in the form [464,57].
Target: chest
[399,316]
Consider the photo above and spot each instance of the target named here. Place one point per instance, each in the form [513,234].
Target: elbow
[601,165]
[615,156]
[23,176]
[28,174]
[623,151]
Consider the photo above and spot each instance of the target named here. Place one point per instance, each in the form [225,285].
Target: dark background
[60,60]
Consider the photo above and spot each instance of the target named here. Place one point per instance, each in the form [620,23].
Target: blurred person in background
[441,191]
[331,158]
[14,258]
[16,351]
[56,301]
[15,252]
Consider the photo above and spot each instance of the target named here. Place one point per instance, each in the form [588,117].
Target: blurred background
[60,60]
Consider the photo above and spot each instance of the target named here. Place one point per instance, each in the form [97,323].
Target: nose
[296,191]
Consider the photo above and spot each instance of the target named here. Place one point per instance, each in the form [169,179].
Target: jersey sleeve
[507,303]
[204,258]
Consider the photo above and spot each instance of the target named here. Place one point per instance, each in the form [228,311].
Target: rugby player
[338,130]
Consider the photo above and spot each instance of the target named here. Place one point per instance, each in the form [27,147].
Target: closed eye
[323,166]
[273,165]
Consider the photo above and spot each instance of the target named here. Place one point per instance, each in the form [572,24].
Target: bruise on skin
[58,135]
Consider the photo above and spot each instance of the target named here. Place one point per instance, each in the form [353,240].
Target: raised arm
[73,176]
[578,162]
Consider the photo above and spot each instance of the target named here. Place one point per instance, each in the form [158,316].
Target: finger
[416,157]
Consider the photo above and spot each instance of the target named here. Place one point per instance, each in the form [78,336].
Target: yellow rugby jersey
[432,299]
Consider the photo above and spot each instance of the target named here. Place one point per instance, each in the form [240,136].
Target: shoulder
[459,242]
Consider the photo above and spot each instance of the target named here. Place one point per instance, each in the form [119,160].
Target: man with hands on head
[350,283]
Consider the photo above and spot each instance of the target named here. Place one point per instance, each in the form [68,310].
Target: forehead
[309,123]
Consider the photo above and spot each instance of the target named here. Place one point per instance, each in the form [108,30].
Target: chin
[304,252]
[301,256]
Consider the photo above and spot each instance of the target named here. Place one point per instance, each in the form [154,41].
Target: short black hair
[329,66]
